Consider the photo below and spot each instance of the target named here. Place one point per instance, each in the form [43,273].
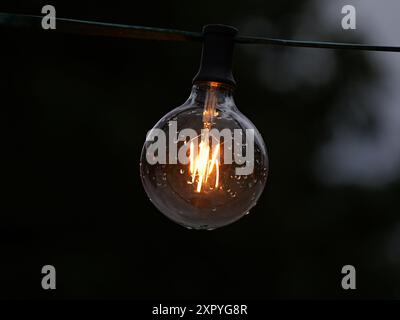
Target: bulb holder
[217,53]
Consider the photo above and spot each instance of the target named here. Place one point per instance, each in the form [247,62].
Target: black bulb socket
[217,54]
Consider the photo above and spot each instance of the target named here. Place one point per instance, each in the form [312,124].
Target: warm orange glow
[203,164]
[215,84]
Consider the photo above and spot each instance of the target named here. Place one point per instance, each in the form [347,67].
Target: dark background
[74,112]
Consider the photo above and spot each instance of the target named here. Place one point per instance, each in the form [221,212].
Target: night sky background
[74,113]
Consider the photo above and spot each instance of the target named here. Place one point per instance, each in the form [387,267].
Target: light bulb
[204,165]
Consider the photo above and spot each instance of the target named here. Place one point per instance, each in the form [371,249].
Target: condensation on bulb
[205,192]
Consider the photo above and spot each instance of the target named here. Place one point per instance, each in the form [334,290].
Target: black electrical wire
[93,28]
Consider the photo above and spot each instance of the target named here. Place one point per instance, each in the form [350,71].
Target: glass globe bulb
[204,165]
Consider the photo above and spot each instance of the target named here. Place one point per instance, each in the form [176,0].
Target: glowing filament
[203,164]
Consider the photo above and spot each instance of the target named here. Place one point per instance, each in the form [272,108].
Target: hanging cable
[93,28]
